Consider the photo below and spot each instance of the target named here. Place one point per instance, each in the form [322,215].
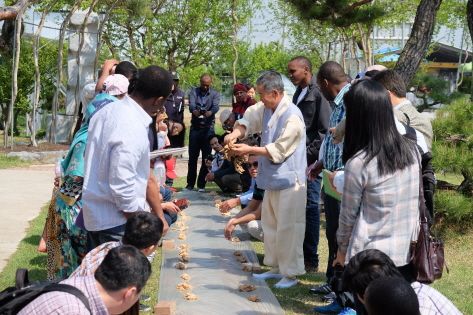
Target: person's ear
[148,250]
[130,294]
[362,300]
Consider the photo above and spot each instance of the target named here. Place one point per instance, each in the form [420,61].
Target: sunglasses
[254,164]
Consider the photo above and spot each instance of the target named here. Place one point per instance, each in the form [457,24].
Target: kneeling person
[143,230]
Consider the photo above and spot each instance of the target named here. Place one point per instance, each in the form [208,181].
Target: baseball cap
[116,84]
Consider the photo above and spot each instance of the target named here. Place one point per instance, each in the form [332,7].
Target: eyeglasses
[254,164]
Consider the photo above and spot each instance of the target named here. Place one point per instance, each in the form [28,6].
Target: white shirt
[301,96]
[432,302]
[420,137]
[117,164]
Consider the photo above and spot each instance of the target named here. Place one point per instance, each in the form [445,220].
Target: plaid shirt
[432,302]
[93,259]
[64,303]
[333,152]
[380,212]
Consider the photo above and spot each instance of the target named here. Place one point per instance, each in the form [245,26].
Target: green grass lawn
[457,285]
[9,162]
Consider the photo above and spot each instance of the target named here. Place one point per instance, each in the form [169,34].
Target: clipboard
[163,152]
[329,189]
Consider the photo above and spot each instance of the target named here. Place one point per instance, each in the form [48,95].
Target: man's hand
[170,207]
[229,204]
[339,260]
[196,112]
[109,65]
[209,177]
[230,139]
[241,149]
[208,114]
[229,227]
[165,226]
[319,165]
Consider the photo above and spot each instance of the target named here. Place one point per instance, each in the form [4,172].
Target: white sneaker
[201,190]
[272,274]
[285,283]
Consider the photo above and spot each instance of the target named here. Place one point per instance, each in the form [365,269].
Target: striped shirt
[93,259]
[378,212]
[332,153]
[64,303]
[432,302]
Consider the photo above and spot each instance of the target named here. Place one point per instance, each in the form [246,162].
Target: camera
[202,111]
[337,280]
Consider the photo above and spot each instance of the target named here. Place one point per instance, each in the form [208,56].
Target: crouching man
[114,288]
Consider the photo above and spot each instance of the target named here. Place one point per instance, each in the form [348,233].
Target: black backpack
[14,299]
[428,175]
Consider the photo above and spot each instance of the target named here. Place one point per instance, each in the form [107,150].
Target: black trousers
[332,212]
[198,142]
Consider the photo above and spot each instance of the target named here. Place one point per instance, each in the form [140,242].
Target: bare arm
[107,70]
[153,197]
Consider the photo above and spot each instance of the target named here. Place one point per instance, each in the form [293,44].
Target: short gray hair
[271,80]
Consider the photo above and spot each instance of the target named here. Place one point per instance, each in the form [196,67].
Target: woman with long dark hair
[380,201]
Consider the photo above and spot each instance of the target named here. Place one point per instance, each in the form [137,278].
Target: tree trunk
[235,39]
[14,85]
[419,40]
[37,81]
[11,12]
[469,18]
[99,42]
[79,50]
[52,133]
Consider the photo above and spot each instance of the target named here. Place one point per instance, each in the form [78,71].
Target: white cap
[224,115]
[116,84]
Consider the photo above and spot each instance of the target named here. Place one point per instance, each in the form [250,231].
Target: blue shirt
[208,101]
[333,152]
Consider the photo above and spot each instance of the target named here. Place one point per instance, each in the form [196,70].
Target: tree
[453,145]
[353,20]
[419,40]
[176,34]
[469,18]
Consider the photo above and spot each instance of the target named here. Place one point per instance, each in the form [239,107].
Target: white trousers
[283,221]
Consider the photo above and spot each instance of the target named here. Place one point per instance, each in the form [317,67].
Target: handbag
[427,254]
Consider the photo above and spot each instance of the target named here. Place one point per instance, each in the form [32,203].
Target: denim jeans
[198,141]
[166,193]
[312,223]
[332,212]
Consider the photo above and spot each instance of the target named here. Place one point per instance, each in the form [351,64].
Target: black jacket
[316,111]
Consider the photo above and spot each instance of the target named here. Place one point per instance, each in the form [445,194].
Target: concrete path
[23,191]
[213,272]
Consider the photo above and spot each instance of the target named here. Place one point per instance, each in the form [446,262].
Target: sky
[257,31]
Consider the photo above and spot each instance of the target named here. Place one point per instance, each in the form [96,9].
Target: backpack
[428,175]
[14,299]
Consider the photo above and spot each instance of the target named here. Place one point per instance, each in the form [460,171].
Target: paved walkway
[212,271]
[23,192]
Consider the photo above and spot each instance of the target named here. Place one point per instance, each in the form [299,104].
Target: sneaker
[145,298]
[347,311]
[285,283]
[272,274]
[201,190]
[188,188]
[329,298]
[332,308]
[145,308]
[321,289]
